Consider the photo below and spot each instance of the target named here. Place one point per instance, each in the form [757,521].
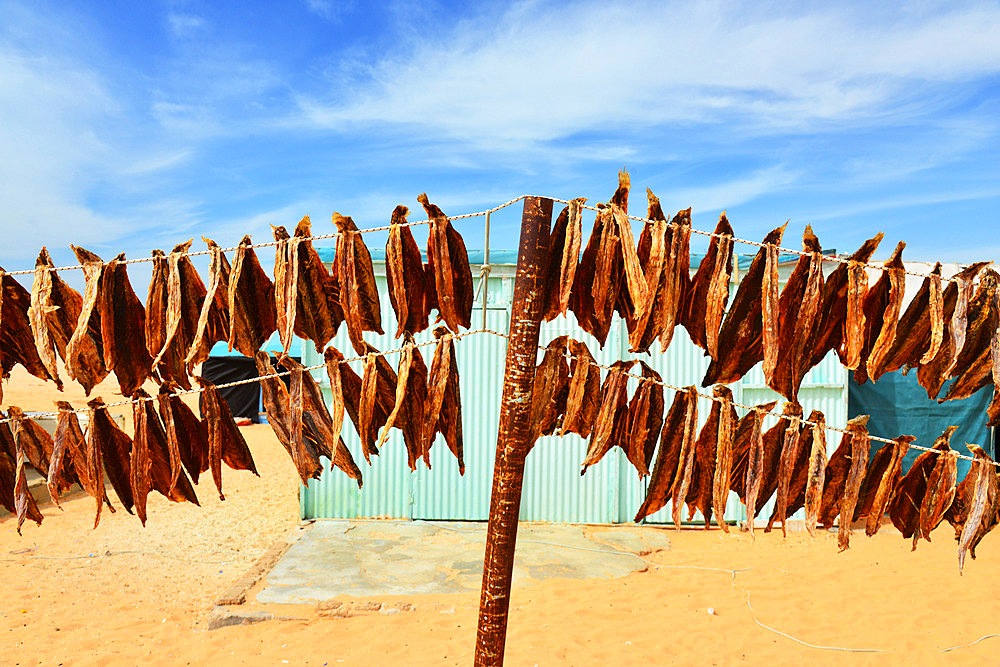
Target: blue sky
[137,125]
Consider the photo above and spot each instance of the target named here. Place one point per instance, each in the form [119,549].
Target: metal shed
[554,490]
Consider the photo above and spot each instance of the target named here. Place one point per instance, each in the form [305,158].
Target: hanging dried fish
[770,313]
[653,252]
[333,360]
[317,311]
[285,416]
[404,272]
[225,442]
[598,278]
[123,328]
[358,293]
[252,314]
[773,443]
[411,397]
[888,310]
[583,398]
[833,313]
[791,446]
[755,463]
[24,503]
[444,402]
[213,318]
[452,276]
[612,415]
[797,471]
[644,420]
[982,515]
[860,449]
[939,496]
[934,373]
[166,475]
[14,495]
[370,400]
[661,482]
[677,277]
[285,282]
[725,418]
[139,463]
[53,313]
[973,367]
[67,464]
[187,436]
[854,323]
[685,459]
[709,292]
[700,492]
[319,428]
[917,326]
[564,253]
[881,482]
[166,361]
[550,390]
[743,440]
[17,345]
[85,350]
[111,447]
[740,344]
[904,509]
[834,482]
[32,439]
[799,310]
[186,294]
[817,471]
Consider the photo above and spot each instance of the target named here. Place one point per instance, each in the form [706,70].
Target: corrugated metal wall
[554,490]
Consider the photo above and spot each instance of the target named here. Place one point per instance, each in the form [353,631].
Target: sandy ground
[121,594]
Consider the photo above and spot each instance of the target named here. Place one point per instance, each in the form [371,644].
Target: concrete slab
[370,558]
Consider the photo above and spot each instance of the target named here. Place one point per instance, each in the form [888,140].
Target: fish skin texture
[253,317]
[726,421]
[920,330]
[583,397]
[791,426]
[661,480]
[705,305]
[685,463]
[564,255]
[17,344]
[358,293]
[452,275]
[816,476]
[213,318]
[225,442]
[14,498]
[411,397]
[645,420]
[404,272]
[612,414]
[904,509]
[550,390]
[123,328]
[444,401]
[53,312]
[115,452]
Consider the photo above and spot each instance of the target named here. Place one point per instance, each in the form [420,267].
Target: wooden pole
[512,441]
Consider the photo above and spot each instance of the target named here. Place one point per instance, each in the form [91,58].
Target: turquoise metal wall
[554,490]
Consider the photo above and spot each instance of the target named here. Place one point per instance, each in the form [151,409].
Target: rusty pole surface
[512,441]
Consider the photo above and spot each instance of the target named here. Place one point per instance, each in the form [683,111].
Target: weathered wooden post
[512,441]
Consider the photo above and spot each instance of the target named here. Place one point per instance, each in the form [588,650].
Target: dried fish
[34,440]
[123,328]
[881,481]
[743,440]
[677,277]
[982,515]
[724,416]
[700,491]
[285,416]
[583,399]
[564,254]
[893,275]
[67,463]
[653,253]
[644,421]
[252,314]
[139,463]
[740,338]
[973,367]
[860,448]
[755,464]
[452,275]
[550,390]
[917,326]
[444,402]
[85,350]
[166,361]
[773,442]
[612,415]
[107,444]
[186,294]
[854,322]
[817,472]
[213,318]
[358,293]
[939,496]
[14,495]
[685,460]
[770,313]
[404,272]
[17,345]
[166,475]
[24,504]
[187,436]
[317,311]
[676,430]
[706,301]
[225,442]
[53,313]
[285,281]
[788,459]
[333,360]
[411,397]
[904,509]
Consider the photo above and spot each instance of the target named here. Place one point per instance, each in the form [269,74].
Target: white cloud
[537,73]
[185,25]
[730,193]
[327,9]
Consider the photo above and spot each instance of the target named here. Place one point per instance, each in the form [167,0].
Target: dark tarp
[899,406]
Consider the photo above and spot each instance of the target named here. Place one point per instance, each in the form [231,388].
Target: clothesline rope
[487,212]
[234,383]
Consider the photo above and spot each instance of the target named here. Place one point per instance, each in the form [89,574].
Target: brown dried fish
[317,311]
[677,277]
[404,272]
[123,328]
[285,416]
[285,281]
[799,311]
[186,294]
[24,504]
[611,416]
[252,314]
[34,440]
[17,345]
[923,316]
[725,419]
[653,253]
[635,279]
[444,402]
[854,322]
[550,390]
[53,313]
[904,509]
[740,338]
[67,464]
[939,496]
[14,495]
[583,398]
[860,449]
[700,491]
[755,463]
[834,482]
[321,430]
[333,360]
[817,472]
[166,476]
[373,401]
[139,463]
[85,350]
[598,278]
[676,428]
[564,254]
[881,481]
[644,421]
[982,515]
[705,304]
[169,363]
[225,442]
[833,313]
[213,318]
[685,462]
[187,435]
[452,275]
[358,293]
[770,313]
[411,397]
[743,440]
[788,459]
[888,310]
[973,367]
[773,443]
[109,445]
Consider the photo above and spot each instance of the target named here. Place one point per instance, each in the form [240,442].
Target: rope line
[234,383]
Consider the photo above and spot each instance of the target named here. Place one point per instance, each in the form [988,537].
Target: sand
[121,594]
